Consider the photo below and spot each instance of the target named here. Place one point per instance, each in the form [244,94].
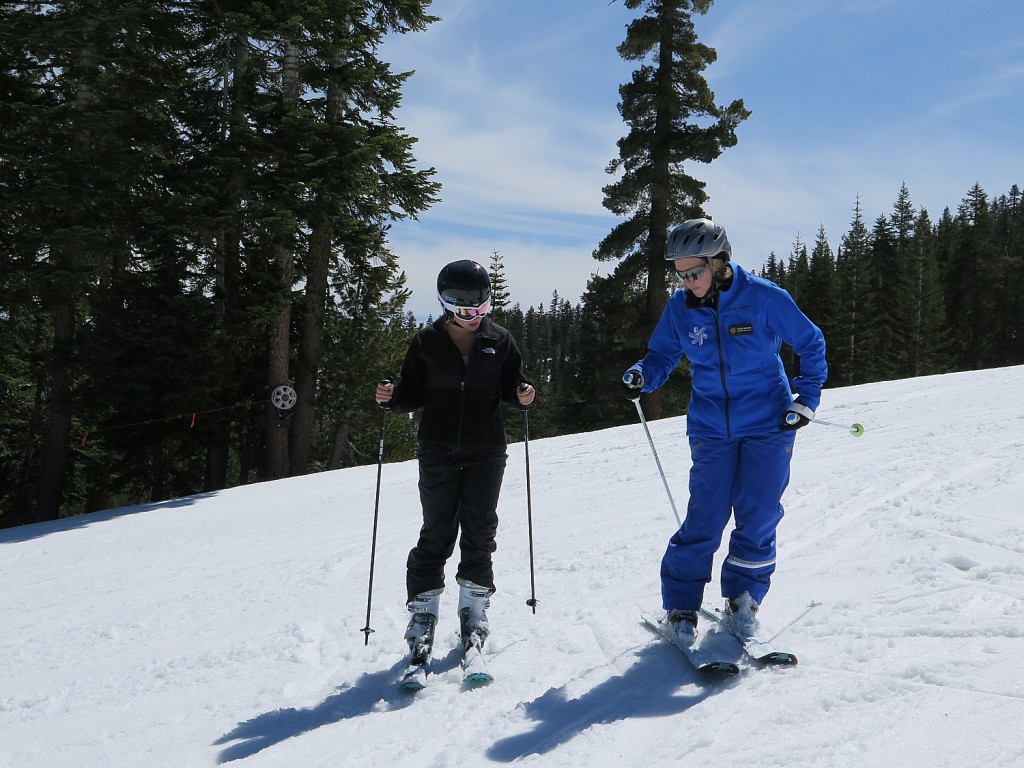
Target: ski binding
[756,648]
[702,659]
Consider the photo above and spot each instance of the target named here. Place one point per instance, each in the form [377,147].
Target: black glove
[796,416]
[632,382]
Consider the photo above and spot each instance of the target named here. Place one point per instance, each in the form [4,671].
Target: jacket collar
[486,332]
[713,299]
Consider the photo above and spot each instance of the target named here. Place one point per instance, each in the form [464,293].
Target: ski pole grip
[792,418]
[632,379]
[380,383]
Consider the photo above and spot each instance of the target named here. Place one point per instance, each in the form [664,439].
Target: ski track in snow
[226,628]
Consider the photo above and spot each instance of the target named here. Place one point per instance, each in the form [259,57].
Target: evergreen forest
[897,297]
[196,200]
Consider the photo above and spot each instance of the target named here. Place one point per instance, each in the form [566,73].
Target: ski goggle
[689,275]
[468,313]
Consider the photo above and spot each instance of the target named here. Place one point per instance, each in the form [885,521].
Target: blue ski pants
[743,477]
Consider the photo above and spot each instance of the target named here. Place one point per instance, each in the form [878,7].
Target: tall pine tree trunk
[279,346]
[57,441]
[275,463]
[314,301]
[228,253]
[311,342]
[66,255]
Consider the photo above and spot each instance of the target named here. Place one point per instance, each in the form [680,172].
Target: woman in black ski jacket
[458,370]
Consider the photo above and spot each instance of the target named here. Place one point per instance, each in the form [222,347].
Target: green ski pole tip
[856,429]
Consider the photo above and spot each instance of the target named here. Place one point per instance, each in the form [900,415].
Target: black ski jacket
[461,415]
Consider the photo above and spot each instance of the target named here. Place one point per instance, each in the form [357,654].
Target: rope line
[193,417]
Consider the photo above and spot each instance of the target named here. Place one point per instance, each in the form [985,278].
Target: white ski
[702,659]
[414,678]
[474,670]
[756,648]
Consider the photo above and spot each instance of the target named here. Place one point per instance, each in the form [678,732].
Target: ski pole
[376,510]
[533,602]
[643,420]
[856,429]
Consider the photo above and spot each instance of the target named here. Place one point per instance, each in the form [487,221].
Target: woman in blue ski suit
[741,420]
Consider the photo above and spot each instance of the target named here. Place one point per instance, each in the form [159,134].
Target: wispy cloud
[515,106]
[1003,81]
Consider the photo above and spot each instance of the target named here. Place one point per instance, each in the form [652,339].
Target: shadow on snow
[30,531]
[659,684]
[372,692]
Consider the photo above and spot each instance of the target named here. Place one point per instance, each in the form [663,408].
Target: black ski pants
[456,495]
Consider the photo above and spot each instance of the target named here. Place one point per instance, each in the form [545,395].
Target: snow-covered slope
[226,628]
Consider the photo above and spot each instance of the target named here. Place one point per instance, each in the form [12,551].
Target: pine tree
[820,304]
[351,99]
[928,344]
[94,166]
[774,270]
[23,339]
[198,198]
[365,340]
[798,284]
[879,312]
[798,272]
[592,399]
[1009,236]
[900,306]
[970,283]
[851,355]
[673,120]
[499,284]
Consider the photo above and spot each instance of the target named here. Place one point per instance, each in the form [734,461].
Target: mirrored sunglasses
[690,275]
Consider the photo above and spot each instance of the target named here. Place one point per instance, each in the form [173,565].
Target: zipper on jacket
[462,409]
[721,372]
[463,368]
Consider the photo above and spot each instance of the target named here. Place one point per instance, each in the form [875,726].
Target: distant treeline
[900,297]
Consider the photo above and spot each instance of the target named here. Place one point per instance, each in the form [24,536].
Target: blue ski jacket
[740,387]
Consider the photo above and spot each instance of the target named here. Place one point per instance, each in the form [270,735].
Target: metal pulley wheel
[284,398]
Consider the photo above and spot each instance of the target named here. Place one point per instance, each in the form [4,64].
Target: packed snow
[226,628]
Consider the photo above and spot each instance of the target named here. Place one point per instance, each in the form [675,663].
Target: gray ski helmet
[698,238]
[463,284]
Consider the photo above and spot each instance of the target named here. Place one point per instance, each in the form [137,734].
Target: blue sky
[514,102]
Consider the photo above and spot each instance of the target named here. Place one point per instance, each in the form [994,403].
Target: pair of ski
[706,660]
[474,670]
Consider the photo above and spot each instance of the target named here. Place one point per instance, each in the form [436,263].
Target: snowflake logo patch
[698,335]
